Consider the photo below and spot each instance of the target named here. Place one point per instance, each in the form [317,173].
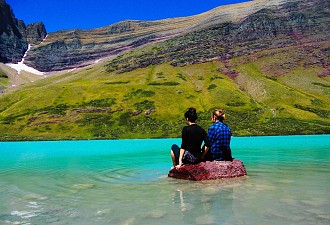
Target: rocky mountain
[266,63]
[15,36]
[35,33]
[234,29]
[12,31]
[300,23]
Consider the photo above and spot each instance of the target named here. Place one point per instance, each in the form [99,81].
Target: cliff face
[74,48]
[15,36]
[224,31]
[296,23]
[12,33]
[35,33]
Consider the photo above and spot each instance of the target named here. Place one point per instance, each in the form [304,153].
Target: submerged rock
[209,170]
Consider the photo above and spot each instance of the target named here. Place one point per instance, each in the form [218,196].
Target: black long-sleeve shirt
[193,137]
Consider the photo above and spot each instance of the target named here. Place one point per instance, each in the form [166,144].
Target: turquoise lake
[125,182]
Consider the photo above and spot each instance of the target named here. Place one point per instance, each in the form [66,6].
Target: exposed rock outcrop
[291,23]
[230,30]
[13,43]
[221,33]
[76,48]
[15,36]
[35,33]
[210,170]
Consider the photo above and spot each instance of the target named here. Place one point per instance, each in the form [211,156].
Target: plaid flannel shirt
[219,135]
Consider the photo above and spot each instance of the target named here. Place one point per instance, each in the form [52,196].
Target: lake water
[125,182]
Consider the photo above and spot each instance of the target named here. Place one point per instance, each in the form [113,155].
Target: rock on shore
[209,170]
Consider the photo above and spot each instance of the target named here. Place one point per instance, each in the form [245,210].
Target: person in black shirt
[193,137]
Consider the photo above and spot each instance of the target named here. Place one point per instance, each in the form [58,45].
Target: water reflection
[204,203]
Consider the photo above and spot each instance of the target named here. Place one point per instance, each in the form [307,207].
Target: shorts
[188,158]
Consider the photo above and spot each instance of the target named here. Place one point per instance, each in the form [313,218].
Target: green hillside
[266,64]
[261,94]
[3,80]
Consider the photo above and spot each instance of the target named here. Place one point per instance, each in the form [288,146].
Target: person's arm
[183,145]
[205,150]
[180,157]
[206,146]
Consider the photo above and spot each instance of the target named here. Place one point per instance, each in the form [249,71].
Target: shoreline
[151,138]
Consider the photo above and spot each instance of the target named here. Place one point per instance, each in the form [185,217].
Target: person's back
[219,135]
[193,137]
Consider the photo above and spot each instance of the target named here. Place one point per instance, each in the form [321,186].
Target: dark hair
[220,114]
[191,114]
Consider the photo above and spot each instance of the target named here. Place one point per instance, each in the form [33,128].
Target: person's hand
[177,166]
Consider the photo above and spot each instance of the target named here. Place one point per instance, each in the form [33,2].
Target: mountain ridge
[15,36]
[269,72]
[267,28]
[76,48]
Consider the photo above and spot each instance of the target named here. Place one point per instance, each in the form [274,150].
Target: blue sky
[87,14]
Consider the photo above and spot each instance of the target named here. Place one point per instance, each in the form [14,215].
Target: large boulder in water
[209,170]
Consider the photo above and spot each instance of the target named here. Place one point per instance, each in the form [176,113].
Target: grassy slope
[92,103]
[3,80]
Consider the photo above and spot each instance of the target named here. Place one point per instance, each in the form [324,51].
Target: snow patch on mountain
[21,66]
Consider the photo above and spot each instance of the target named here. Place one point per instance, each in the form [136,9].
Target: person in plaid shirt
[219,135]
